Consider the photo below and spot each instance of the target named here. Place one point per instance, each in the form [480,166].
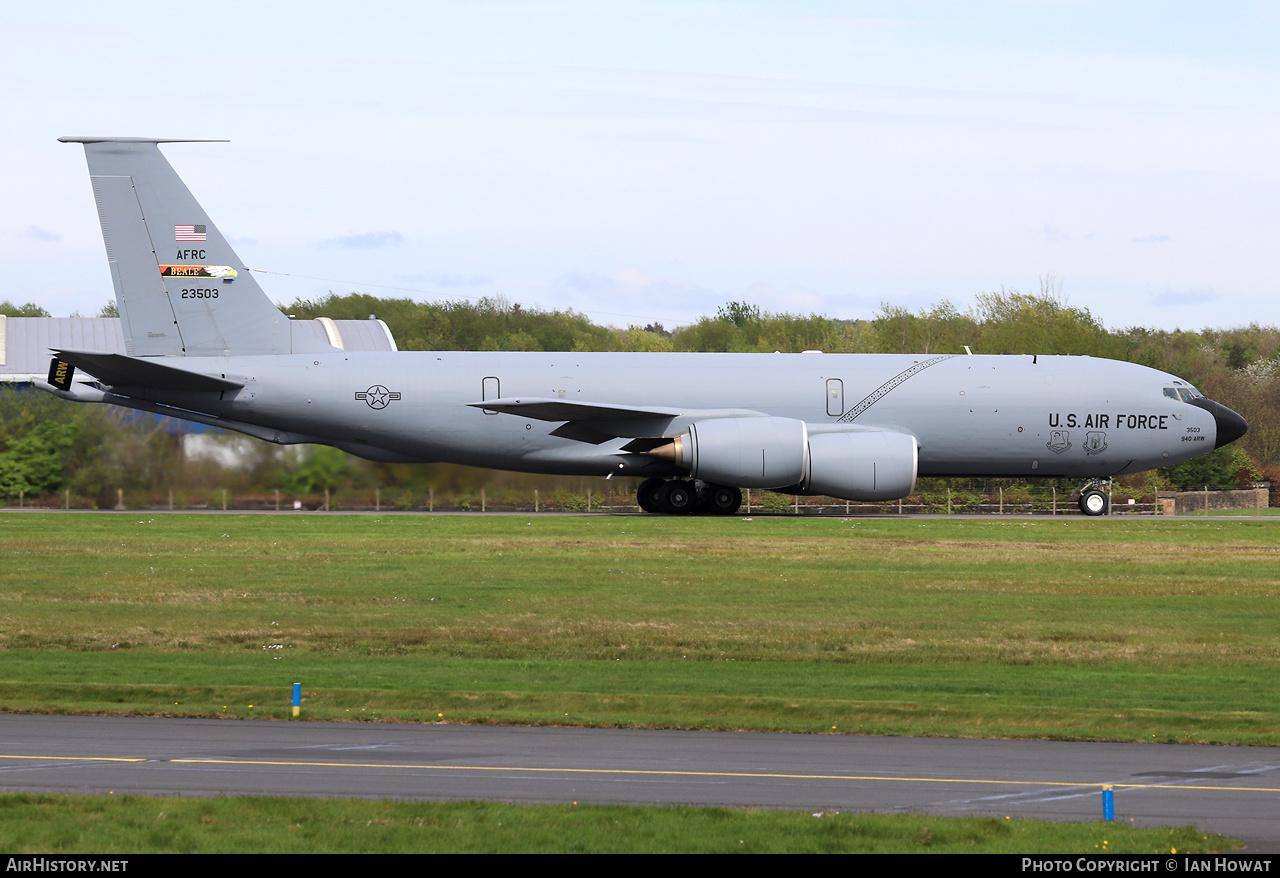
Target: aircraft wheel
[647,495]
[676,497]
[1093,502]
[722,500]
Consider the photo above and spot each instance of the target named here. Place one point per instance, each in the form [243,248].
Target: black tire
[676,498]
[646,495]
[722,500]
[1094,502]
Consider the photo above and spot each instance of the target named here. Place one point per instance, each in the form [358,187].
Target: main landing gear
[1095,497]
[680,497]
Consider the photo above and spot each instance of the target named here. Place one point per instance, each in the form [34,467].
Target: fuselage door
[835,397]
[490,389]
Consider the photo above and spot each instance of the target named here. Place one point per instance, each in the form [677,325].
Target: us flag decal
[188,233]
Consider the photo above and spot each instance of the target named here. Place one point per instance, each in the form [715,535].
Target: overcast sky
[643,161]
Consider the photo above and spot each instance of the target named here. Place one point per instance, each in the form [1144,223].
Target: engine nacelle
[865,465]
[742,452]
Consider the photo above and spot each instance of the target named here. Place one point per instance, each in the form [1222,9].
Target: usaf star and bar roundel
[378,396]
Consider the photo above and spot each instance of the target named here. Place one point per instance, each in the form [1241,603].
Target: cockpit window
[1184,392]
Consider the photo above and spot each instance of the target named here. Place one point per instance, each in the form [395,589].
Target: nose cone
[1230,425]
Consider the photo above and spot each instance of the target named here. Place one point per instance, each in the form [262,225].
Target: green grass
[1168,705]
[1035,628]
[1135,630]
[46,824]
[1264,512]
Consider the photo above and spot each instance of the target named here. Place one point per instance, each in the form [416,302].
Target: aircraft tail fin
[180,288]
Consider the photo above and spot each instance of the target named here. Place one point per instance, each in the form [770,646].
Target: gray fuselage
[1076,417]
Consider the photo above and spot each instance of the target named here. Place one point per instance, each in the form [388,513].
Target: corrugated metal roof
[25,342]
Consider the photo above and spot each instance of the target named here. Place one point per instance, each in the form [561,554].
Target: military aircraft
[204,343]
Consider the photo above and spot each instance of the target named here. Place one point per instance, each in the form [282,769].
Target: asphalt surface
[1232,790]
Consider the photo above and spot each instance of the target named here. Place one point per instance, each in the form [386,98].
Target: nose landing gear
[1095,497]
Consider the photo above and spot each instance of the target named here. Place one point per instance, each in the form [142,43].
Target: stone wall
[1195,501]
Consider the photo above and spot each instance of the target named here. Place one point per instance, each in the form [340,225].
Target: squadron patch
[378,396]
[1095,443]
[1059,441]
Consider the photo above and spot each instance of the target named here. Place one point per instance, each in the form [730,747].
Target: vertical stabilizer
[181,289]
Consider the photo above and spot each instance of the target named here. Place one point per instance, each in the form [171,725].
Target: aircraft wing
[565,410]
[595,422]
[119,370]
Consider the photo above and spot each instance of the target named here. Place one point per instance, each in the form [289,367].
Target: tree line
[48,446]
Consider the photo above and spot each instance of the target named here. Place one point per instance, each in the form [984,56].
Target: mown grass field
[1142,629]
[135,824]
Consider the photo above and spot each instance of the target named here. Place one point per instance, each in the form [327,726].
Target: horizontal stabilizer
[119,370]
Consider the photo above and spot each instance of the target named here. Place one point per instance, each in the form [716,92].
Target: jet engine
[781,453]
[866,465]
[743,452]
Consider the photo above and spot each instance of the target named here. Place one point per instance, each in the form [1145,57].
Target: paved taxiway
[1233,790]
